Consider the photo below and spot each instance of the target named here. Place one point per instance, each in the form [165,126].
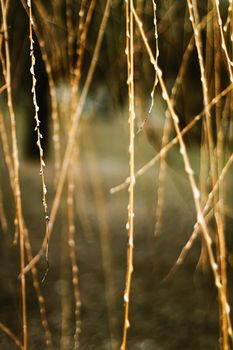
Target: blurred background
[167,310]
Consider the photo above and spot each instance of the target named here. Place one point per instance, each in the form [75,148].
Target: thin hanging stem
[130,222]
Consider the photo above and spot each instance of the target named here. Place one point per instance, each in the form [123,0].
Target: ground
[176,313]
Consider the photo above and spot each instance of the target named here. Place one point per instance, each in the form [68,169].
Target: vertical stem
[130,223]
[70,34]
[73,256]
[16,172]
[37,127]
